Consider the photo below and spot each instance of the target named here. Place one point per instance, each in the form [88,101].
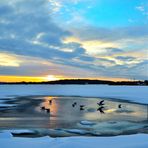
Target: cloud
[140,70]
[140,8]
[35,43]
[33,33]
[143,8]
[30,32]
[57,5]
[110,34]
[136,71]
[5,10]
[127,58]
[112,51]
[7,60]
[86,58]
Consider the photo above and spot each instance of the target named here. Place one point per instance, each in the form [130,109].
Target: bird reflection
[119,106]
[101,109]
[48,110]
[101,106]
[82,107]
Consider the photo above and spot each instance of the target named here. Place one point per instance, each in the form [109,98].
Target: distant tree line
[83,82]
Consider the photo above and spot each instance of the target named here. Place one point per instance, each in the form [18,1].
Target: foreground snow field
[132,93]
[132,141]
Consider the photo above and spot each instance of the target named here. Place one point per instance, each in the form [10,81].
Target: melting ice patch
[66,120]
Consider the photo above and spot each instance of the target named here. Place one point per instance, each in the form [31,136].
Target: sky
[56,39]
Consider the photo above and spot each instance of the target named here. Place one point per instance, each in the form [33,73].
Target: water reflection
[53,106]
[74,113]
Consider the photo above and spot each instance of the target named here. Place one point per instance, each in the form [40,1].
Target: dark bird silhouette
[48,110]
[43,108]
[119,106]
[74,104]
[101,103]
[101,109]
[82,107]
[50,102]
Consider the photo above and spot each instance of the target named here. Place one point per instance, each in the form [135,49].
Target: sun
[51,78]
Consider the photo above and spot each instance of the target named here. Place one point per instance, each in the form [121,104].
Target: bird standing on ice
[43,108]
[74,104]
[50,102]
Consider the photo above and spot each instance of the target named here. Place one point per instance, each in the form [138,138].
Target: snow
[131,141]
[21,131]
[5,135]
[87,123]
[132,93]
[6,105]
[76,131]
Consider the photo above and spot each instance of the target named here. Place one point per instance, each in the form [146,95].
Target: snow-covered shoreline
[132,93]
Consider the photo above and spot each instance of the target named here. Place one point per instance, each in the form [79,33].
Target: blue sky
[74,38]
[106,13]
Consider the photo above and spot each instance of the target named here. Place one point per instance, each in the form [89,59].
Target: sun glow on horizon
[7,78]
[51,78]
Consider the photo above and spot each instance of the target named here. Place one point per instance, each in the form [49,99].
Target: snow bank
[4,135]
[132,141]
[133,93]
[87,123]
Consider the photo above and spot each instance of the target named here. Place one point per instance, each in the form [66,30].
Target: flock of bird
[47,109]
[82,107]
